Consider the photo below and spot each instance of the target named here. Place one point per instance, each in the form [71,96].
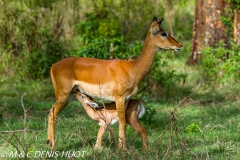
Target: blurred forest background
[34,34]
[39,33]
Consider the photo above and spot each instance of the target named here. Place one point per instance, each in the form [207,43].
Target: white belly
[101,91]
[98,92]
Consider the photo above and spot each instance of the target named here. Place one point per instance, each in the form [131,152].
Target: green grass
[206,126]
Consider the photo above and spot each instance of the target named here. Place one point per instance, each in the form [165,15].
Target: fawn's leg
[140,129]
[100,134]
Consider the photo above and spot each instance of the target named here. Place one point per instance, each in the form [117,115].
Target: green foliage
[192,128]
[1,116]
[235,4]
[95,27]
[181,30]
[163,81]
[227,19]
[39,3]
[40,62]
[149,114]
[100,48]
[108,28]
[221,63]
[26,35]
[11,66]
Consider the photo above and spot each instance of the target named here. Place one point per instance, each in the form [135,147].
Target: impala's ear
[160,22]
[154,22]
[154,18]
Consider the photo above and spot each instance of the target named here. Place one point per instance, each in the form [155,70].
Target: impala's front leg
[51,126]
[122,121]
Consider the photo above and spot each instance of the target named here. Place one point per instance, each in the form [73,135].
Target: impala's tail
[141,109]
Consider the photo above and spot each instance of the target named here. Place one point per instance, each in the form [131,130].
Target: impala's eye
[164,34]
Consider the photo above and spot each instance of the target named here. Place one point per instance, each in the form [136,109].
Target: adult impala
[108,115]
[115,80]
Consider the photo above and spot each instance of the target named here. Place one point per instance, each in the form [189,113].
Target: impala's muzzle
[178,49]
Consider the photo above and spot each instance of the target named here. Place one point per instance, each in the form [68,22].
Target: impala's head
[162,39]
[86,100]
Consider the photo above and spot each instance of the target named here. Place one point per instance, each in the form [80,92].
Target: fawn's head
[86,100]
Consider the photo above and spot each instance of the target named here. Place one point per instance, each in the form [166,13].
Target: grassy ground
[203,125]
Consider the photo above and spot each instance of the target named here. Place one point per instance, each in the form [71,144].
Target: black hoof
[49,142]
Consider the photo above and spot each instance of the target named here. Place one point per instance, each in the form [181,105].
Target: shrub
[221,63]
[94,27]
[40,61]
[100,48]
[149,115]
[192,128]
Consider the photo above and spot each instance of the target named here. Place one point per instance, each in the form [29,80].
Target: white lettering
[77,154]
[42,154]
[22,154]
[29,153]
[83,153]
[4,154]
[37,154]
[13,154]
[65,154]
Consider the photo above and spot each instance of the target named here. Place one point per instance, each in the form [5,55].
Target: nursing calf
[107,114]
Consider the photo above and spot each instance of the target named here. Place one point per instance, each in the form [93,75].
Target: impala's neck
[144,62]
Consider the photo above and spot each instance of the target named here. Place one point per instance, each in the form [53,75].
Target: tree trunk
[236,27]
[208,29]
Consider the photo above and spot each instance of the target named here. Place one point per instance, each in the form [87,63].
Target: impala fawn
[107,114]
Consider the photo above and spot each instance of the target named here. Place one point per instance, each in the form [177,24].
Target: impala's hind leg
[61,102]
